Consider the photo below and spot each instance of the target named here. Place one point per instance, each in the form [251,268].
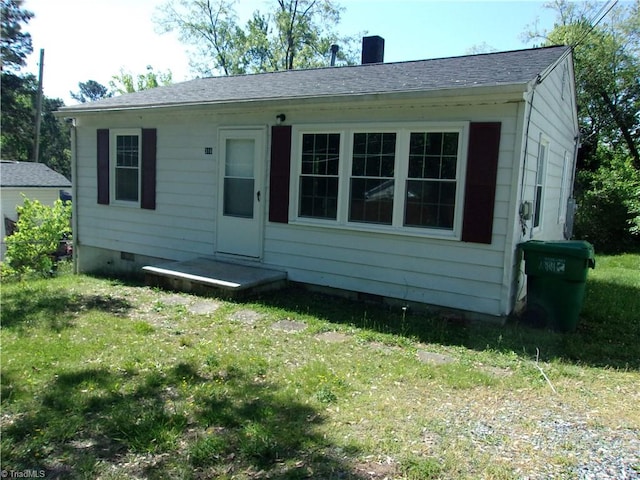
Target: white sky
[94,39]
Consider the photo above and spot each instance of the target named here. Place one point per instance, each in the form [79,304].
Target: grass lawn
[109,379]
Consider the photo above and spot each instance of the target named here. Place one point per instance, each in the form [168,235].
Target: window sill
[378,229]
[121,203]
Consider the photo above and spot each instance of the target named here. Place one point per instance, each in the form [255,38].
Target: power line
[595,20]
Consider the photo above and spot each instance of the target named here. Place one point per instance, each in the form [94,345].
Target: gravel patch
[552,443]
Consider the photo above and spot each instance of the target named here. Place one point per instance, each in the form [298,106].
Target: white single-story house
[412,181]
[33,180]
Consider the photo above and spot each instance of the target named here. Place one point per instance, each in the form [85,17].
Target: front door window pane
[238,181]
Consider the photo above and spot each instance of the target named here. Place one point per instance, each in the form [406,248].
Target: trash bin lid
[568,248]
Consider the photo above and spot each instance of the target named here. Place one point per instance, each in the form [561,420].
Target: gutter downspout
[74,193]
[525,153]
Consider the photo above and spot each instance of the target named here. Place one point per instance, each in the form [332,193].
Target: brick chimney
[372,49]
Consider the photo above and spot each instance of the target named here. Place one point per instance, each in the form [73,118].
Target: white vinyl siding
[411,263]
[552,119]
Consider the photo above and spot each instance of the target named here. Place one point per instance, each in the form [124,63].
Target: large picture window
[319,175]
[126,166]
[406,179]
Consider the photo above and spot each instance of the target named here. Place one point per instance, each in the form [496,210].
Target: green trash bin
[556,280]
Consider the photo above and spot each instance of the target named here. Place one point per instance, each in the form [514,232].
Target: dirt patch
[433,358]
[496,371]
[289,326]
[332,337]
[372,469]
[204,307]
[175,299]
[246,316]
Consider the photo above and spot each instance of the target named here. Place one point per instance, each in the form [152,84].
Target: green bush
[31,249]
[608,199]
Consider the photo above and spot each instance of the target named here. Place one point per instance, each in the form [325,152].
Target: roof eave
[514,90]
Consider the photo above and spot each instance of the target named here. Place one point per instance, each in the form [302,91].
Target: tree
[90,91]
[607,73]
[55,138]
[17,114]
[17,120]
[125,82]
[293,34]
[18,96]
[15,45]
[211,27]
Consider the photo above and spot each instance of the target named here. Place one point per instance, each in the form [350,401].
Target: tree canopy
[292,34]
[607,66]
[19,94]
[15,45]
[127,82]
[90,91]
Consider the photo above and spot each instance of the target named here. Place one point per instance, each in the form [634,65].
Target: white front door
[241,196]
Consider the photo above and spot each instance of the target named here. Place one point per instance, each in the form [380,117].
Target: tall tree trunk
[624,128]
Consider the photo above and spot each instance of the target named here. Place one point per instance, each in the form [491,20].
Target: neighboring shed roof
[517,67]
[30,174]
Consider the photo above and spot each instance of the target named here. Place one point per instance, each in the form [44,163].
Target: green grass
[104,378]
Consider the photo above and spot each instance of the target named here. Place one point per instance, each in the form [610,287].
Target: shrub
[39,230]
[608,200]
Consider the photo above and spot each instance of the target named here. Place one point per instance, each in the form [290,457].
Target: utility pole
[36,149]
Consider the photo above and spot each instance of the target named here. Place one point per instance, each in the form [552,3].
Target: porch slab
[204,274]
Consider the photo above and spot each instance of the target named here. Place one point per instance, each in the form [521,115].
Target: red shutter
[279,176]
[480,190]
[103,166]
[148,194]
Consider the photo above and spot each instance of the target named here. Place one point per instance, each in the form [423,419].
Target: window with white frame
[371,186]
[319,175]
[565,188]
[125,173]
[406,179]
[430,194]
[540,176]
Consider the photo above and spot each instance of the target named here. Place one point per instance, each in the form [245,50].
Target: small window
[565,190]
[539,193]
[126,166]
[372,178]
[319,175]
[430,194]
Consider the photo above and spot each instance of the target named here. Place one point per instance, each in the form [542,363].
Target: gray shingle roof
[30,174]
[493,69]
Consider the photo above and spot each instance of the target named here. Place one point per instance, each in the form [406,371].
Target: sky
[96,39]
